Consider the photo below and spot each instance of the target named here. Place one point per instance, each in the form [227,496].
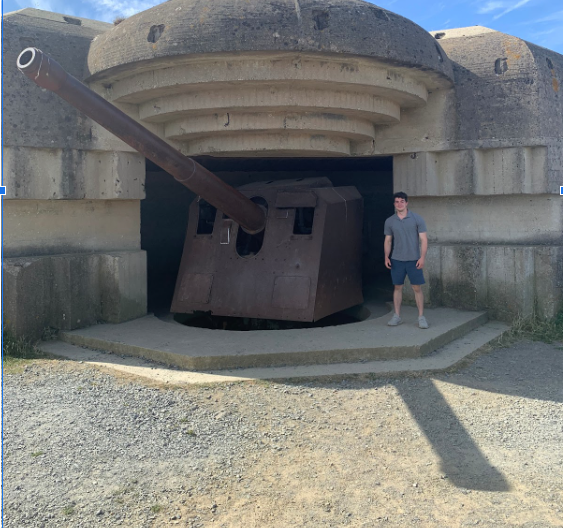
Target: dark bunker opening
[164,218]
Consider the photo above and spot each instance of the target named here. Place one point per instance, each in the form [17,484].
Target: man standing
[405,231]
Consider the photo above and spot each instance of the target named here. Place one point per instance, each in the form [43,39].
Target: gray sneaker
[395,320]
[422,322]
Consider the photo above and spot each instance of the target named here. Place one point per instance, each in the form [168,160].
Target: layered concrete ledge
[202,349]
[450,356]
[483,171]
[73,174]
[54,227]
[491,220]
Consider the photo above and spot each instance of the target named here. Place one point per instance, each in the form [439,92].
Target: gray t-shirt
[406,245]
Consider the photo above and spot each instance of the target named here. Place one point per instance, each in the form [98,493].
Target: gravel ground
[482,446]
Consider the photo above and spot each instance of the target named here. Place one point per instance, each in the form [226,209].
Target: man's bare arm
[423,249]
[387,249]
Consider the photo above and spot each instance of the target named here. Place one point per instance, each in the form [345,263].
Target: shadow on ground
[527,370]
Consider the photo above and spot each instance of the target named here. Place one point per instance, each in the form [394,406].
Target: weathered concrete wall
[507,94]
[43,227]
[354,27]
[72,209]
[63,292]
[34,117]
[476,172]
[516,84]
[32,173]
[516,219]
[497,226]
[506,280]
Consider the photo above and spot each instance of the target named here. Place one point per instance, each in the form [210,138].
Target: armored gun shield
[304,265]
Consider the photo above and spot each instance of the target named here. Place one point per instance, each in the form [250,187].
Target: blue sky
[538,21]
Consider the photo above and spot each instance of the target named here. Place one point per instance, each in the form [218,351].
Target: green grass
[156,508]
[37,453]
[535,328]
[18,347]
[68,510]
[17,352]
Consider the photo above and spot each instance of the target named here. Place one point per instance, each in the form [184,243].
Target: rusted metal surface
[298,274]
[49,74]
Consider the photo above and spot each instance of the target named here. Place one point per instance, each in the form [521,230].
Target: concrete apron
[365,347]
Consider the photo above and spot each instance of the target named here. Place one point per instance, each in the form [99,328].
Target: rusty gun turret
[288,250]
[49,74]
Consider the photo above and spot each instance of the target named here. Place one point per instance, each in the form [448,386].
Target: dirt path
[483,446]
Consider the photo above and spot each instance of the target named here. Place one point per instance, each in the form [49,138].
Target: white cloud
[511,8]
[557,16]
[491,6]
[546,31]
[46,5]
[543,33]
[110,9]
[553,40]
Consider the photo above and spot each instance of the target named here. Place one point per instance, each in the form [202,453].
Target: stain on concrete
[71,20]
[321,19]
[501,66]
[379,13]
[155,33]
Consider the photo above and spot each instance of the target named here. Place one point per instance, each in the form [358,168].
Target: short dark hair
[402,195]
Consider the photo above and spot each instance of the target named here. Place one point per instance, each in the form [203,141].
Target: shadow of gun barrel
[49,74]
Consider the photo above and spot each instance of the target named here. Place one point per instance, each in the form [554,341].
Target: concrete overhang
[268,78]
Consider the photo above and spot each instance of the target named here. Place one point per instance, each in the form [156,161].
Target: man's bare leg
[398,298]
[419,298]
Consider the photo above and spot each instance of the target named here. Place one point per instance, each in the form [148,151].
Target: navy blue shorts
[401,268]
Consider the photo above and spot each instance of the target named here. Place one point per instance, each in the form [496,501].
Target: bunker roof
[193,27]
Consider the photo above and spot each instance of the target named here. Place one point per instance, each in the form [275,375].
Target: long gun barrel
[49,74]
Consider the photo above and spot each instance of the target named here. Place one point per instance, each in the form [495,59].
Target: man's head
[400,201]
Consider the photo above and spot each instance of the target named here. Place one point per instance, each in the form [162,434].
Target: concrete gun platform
[255,353]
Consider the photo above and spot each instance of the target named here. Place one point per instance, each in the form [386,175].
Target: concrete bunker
[475,142]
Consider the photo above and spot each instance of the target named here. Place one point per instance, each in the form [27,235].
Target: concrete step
[210,350]
[445,358]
